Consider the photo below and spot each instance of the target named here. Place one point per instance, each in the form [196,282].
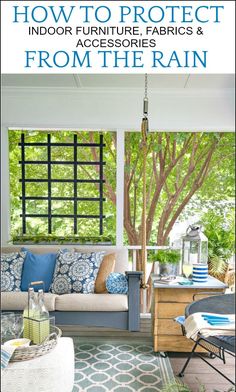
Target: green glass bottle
[28,315]
[42,323]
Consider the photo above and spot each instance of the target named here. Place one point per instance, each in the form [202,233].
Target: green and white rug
[115,366]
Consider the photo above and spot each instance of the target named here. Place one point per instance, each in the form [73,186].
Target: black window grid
[75,198]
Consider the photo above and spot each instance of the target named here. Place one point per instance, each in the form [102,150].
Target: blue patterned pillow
[11,270]
[76,272]
[117,283]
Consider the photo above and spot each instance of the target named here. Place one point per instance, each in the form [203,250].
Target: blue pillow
[76,272]
[117,283]
[38,267]
[11,270]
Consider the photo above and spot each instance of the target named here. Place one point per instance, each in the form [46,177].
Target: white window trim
[5,189]
[120,163]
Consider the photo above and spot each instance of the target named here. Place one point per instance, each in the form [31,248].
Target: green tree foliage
[180,166]
[220,231]
[62,227]
[185,172]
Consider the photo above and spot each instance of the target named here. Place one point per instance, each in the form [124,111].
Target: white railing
[133,249]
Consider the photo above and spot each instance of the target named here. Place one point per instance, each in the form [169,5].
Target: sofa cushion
[36,268]
[92,302]
[19,300]
[107,267]
[76,272]
[11,270]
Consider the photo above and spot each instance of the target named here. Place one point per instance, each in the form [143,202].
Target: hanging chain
[144,206]
[146,86]
[145,99]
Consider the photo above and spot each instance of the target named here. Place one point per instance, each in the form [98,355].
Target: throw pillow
[117,283]
[38,267]
[11,270]
[76,272]
[106,268]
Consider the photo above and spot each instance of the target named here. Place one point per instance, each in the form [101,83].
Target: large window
[59,186]
[63,184]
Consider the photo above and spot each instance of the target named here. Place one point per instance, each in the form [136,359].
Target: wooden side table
[170,301]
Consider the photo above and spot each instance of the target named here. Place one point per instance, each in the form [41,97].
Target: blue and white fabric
[180,319]
[117,283]
[6,354]
[200,273]
[198,323]
[11,270]
[76,272]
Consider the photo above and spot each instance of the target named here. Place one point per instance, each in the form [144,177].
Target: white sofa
[109,310]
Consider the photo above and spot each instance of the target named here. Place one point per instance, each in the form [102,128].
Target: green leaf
[157,147]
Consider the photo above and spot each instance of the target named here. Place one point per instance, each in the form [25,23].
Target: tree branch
[203,172]
[161,179]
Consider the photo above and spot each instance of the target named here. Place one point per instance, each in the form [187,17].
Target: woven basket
[26,353]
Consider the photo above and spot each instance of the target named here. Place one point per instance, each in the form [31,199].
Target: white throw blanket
[195,324]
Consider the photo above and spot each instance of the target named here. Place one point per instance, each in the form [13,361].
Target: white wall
[110,109]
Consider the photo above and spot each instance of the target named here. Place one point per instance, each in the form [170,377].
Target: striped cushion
[6,353]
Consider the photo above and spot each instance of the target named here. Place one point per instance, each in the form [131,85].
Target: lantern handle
[193,227]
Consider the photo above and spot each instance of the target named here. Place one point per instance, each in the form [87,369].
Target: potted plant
[168,261]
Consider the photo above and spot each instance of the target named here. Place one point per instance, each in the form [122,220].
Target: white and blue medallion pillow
[11,270]
[76,272]
[117,283]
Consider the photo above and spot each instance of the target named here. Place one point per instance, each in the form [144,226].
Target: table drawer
[174,343]
[167,326]
[181,295]
[170,310]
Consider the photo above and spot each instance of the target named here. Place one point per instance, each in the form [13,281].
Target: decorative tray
[26,353]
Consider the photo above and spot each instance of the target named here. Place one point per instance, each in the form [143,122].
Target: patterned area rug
[103,365]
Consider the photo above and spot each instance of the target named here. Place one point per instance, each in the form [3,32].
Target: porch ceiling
[121,81]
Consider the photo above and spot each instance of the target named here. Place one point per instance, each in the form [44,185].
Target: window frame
[119,175]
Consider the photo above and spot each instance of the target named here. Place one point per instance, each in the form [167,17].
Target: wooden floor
[78,330]
[198,372]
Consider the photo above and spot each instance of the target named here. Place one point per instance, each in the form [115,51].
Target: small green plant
[168,256]
[21,239]
[179,386]
[232,389]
